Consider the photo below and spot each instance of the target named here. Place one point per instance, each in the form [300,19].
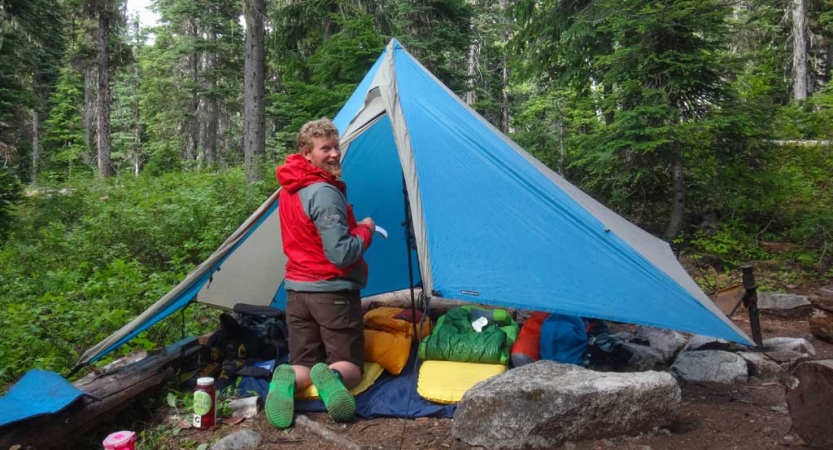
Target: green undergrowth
[776,216]
[83,260]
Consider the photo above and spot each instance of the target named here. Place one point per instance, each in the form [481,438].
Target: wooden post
[750,299]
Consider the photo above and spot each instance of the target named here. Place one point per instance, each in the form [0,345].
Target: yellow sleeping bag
[447,381]
[372,371]
[387,349]
[387,340]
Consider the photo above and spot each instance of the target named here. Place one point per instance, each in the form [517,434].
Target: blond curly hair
[322,127]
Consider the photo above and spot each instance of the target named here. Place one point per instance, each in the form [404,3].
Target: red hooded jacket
[302,243]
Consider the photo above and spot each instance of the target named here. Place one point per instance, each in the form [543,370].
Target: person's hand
[368,222]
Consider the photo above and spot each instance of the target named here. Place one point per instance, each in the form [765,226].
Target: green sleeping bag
[454,338]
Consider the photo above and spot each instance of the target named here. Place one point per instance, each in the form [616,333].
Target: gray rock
[787,358]
[710,366]
[823,300]
[699,342]
[545,404]
[762,367]
[245,407]
[239,440]
[784,305]
[799,345]
[821,325]
[666,341]
[644,359]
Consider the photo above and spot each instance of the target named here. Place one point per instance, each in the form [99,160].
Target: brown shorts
[325,327]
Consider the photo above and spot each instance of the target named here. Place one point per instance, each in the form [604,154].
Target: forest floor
[750,416]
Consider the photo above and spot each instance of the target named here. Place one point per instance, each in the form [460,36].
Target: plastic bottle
[205,404]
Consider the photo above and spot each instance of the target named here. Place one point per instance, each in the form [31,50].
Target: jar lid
[118,438]
[205,381]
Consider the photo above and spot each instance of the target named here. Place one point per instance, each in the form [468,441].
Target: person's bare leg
[350,373]
[302,379]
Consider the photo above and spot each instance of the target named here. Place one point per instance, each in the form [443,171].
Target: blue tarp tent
[490,223]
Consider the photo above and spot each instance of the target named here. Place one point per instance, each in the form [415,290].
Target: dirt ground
[751,416]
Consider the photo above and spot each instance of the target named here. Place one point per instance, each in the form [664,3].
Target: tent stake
[750,299]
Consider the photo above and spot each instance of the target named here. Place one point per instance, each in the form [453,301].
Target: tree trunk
[105,167]
[474,54]
[209,116]
[799,50]
[35,144]
[193,125]
[137,126]
[828,63]
[504,109]
[90,111]
[254,137]
[223,124]
[678,188]
[610,116]
[208,136]
[562,155]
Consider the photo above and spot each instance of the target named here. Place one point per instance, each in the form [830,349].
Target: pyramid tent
[491,224]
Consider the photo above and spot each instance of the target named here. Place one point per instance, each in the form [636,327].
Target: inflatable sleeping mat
[447,381]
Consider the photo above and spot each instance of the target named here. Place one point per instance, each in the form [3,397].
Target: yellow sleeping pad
[372,371]
[446,381]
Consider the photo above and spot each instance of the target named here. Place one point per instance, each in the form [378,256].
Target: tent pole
[408,227]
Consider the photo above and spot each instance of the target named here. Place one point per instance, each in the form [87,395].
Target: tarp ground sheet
[39,392]
[389,396]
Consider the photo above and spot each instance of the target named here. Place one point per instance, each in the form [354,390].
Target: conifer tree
[64,137]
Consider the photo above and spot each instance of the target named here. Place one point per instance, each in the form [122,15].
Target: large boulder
[778,344]
[787,358]
[784,305]
[666,341]
[821,325]
[544,404]
[762,367]
[710,366]
[809,399]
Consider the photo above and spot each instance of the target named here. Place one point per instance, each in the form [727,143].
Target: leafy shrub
[85,260]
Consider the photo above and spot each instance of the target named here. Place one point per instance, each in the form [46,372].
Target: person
[325,270]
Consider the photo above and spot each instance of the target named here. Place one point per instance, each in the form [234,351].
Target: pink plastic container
[120,440]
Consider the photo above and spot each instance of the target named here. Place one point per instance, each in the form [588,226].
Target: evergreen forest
[130,151]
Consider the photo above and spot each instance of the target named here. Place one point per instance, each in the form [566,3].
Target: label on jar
[203,406]
[202,403]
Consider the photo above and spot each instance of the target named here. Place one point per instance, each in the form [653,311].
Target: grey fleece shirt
[327,207]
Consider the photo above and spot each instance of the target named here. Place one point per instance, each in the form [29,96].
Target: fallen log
[402,299]
[110,392]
